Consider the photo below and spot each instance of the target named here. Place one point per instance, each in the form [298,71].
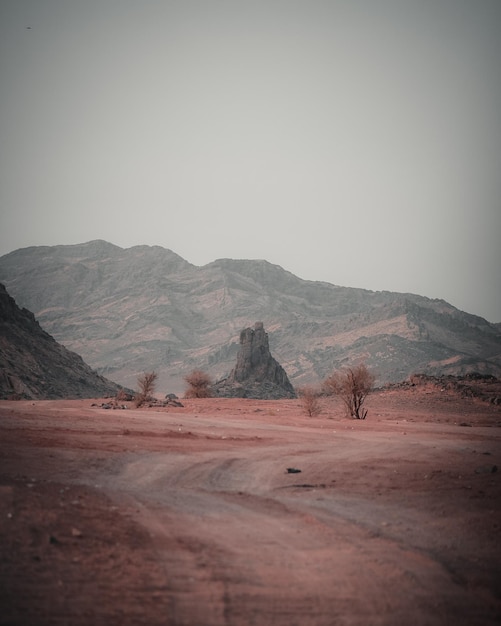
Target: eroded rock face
[34,366]
[257,374]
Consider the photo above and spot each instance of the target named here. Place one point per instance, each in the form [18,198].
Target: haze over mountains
[126,311]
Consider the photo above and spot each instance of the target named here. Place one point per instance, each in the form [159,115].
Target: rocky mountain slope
[33,365]
[130,310]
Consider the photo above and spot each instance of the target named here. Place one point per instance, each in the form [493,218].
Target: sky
[356,142]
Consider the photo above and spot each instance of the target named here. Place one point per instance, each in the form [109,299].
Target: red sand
[188,516]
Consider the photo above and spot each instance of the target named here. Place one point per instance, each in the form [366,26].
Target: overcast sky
[356,142]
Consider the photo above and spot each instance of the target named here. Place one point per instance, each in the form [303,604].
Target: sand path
[189,516]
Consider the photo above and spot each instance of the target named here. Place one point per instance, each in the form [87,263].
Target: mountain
[33,365]
[132,310]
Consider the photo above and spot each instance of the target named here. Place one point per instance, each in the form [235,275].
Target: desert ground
[190,516]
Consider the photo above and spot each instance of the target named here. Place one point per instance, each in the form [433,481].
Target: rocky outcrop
[474,385]
[257,374]
[34,366]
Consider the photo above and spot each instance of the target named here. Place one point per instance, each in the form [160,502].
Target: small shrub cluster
[123,396]
[352,385]
[146,383]
[310,399]
[199,385]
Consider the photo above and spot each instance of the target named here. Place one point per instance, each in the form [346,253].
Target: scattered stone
[153,402]
[175,403]
[110,405]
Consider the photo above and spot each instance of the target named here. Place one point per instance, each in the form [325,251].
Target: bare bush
[123,396]
[199,385]
[146,383]
[309,397]
[352,385]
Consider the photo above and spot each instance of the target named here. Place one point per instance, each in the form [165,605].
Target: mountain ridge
[128,310]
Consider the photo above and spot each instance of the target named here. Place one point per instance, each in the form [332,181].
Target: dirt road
[192,516]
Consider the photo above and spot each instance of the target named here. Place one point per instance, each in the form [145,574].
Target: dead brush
[146,383]
[310,400]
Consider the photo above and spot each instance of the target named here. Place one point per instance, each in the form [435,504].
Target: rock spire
[256,374]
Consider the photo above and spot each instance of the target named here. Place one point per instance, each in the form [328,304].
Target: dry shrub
[199,385]
[352,385]
[123,396]
[309,397]
[146,383]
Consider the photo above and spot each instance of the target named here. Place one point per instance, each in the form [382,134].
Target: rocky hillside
[33,365]
[130,310]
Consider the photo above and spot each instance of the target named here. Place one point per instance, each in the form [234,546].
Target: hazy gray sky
[356,142]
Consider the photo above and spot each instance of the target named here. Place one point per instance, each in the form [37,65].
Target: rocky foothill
[483,387]
[33,365]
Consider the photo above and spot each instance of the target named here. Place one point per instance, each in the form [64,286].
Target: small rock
[486,469]
[293,470]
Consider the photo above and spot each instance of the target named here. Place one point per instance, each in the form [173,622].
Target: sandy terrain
[188,516]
